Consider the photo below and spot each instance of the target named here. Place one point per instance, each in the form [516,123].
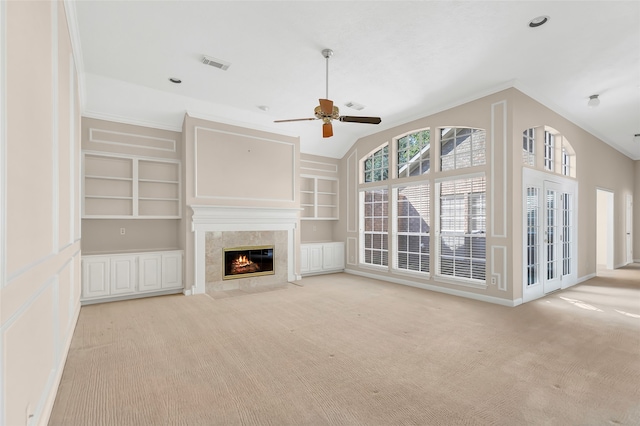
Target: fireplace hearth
[244,262]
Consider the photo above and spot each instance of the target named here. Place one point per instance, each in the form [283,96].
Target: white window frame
[549,151]
[395,231]
[416,159]
[529,153]
[361,228]
[437,235]
[371,155]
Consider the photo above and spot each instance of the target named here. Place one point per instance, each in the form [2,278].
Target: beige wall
[598,166]
[504,115]
[636,214]
[40,223]
[491,112]
[103,235]
[233,166]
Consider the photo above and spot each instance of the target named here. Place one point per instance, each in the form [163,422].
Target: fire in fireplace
[243,262]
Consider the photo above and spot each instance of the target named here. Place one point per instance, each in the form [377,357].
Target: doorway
[550,238]
[604,229]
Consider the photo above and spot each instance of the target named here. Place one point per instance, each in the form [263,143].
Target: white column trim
[503,147]
[55,136]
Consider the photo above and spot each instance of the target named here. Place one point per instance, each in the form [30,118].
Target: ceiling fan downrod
[327,53]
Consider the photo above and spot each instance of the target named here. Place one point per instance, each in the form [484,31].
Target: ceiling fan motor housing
[326,117]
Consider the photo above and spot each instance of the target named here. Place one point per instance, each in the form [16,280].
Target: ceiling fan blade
[294,119]
[327,130]
[326,106]
[351,119]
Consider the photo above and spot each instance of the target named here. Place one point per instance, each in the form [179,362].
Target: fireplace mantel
[229,219]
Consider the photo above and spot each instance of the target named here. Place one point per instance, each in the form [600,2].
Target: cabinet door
[95,277]
[150,272]
[304,259]
[123,274]
[172,270]
[315,258]
[333,256]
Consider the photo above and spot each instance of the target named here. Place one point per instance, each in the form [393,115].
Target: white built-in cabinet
[318,198]
[116,276]
[117,186]
[321,258]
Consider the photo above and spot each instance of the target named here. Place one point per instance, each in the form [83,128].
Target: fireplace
[243,262]
[216,227]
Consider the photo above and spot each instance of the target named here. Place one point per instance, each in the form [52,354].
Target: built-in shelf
[318,198]
[124,187]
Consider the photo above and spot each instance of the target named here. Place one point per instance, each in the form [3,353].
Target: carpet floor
[346,350]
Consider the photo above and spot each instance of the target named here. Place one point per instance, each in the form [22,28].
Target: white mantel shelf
[207,218]
[203,214]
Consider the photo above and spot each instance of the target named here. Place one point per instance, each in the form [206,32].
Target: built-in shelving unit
[125,187]
[318,198]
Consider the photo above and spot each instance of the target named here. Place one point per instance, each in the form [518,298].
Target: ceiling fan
[327,112]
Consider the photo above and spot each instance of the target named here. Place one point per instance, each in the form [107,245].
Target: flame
[242,261]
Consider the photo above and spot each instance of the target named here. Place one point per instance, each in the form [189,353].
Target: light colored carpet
[345,350]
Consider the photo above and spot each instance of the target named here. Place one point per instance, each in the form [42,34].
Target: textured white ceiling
[401,59]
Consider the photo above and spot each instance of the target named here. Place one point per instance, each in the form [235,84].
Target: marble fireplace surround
[215,226]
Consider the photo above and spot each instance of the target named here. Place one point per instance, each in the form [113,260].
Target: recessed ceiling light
[540,20]
[175,80]
[593,101]
[263,108]
[636,137]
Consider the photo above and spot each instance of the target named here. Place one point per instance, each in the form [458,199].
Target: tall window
[528,147]
[374,230]
[376,166]
[413,154]
[565,201]
[461,147]
[413,229]
[549,148]
[462,245]
[533,233]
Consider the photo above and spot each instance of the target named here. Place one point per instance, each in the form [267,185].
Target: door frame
[536,178]
[629,229]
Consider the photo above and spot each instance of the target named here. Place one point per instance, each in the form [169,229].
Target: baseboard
[450,291]
[45,414]
[132,296]
[585,278]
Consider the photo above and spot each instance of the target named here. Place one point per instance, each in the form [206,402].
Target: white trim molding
[450,291]
[224,218]
[502,145]
[294,177]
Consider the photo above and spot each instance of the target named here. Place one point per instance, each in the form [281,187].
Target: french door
[549,244]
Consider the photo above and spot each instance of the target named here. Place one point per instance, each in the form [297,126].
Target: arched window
[414,153]
[529,147]
[461,147]
[375,168]
[558,154]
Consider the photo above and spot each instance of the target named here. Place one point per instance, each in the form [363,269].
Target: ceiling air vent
[208,60]
[354,105]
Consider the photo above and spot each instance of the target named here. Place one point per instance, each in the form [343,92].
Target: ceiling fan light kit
[327,112]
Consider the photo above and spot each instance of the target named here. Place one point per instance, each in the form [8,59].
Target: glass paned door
[549,237]
[552,242]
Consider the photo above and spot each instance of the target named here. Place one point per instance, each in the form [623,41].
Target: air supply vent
[354,105]
[208,60]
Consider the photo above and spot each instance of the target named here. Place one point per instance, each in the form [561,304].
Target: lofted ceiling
[400,59]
